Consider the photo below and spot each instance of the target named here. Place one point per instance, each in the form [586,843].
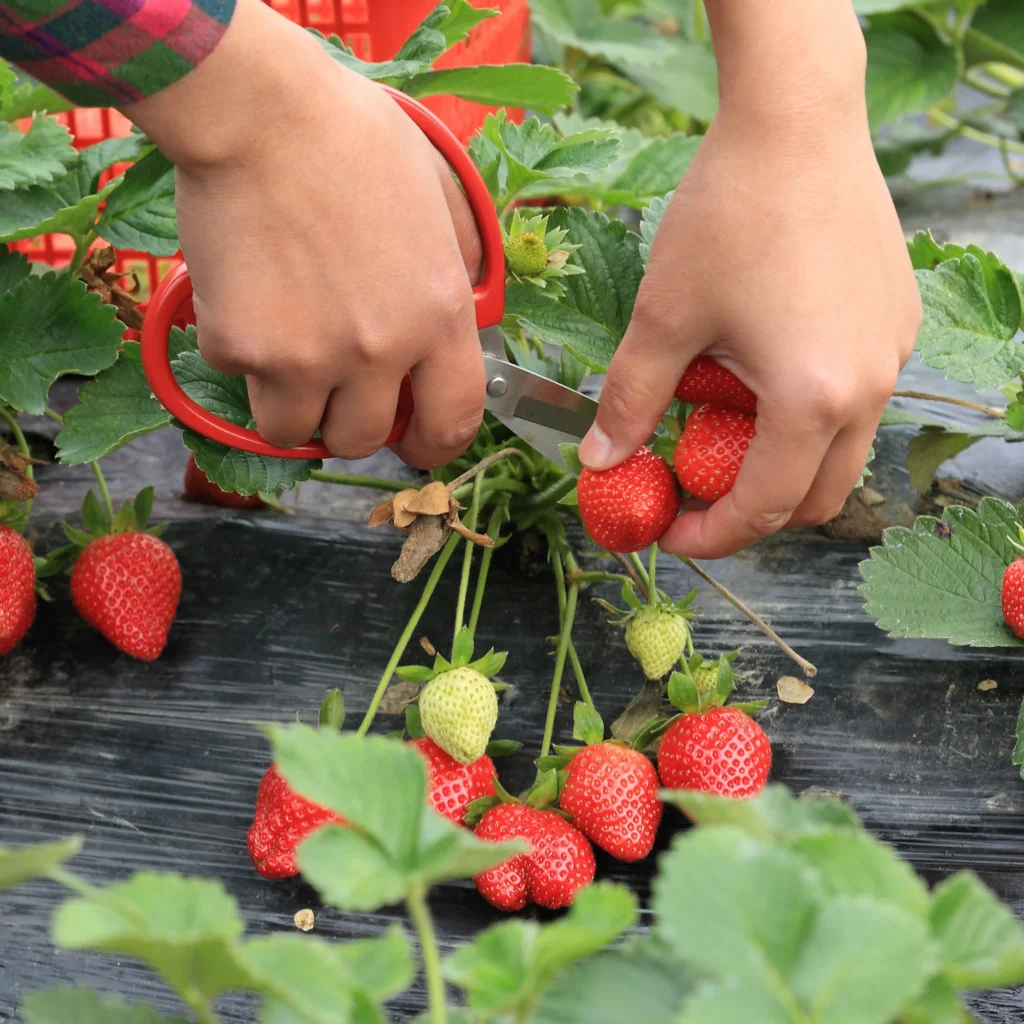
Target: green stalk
[81,251]
[416,902]
[354,480]
[652,592]
[22,445]
[410,626]
[556,679]
[598,577]
[493,530]
[467,558]
[107,503]
[581,681]
[975,134]
[552,493]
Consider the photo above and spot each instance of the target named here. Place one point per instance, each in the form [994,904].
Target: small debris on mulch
[793,691]
[987,684]
[304,920]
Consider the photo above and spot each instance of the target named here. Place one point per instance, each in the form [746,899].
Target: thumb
[640,385]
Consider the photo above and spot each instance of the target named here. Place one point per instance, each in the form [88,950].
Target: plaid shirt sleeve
[101,53]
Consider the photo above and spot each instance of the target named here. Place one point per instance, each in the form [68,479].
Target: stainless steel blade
[544,413]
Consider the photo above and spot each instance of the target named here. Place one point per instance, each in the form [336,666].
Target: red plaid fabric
[101,53]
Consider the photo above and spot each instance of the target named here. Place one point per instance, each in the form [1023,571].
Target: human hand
[781,255]
[330,249]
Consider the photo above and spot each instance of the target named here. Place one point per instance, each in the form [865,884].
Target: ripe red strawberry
[721,751]
[199,487]
[17,588]
[707,380]
[452,786]
[629,507]
[711,450]
[1012,597]
[561,861]
[282,820]
[612,794]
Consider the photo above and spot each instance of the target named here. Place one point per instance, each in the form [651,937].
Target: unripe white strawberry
[656,637]
[458,710]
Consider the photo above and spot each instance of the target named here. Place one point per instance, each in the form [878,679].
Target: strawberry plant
[772,908]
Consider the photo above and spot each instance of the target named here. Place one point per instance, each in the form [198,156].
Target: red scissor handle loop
[175,291]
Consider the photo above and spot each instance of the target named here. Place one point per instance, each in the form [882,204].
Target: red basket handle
[176,289]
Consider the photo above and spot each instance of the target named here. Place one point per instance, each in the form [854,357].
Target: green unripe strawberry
[458,711]
[656,637]
[705,678]
[527,254]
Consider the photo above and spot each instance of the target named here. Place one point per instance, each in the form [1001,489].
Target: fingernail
[596,449]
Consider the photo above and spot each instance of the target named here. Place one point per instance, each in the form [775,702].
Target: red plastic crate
[375,30]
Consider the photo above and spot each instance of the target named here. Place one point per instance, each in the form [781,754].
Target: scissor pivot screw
[497,386]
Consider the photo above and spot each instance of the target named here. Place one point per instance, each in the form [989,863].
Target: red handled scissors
[542,412]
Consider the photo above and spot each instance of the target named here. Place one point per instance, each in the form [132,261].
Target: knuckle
[830,402]
[764,522]
[456,436]
[820,514]
[626,400]
[226,351]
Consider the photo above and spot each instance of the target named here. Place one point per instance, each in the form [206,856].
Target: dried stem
[808,669]
[924,396]
[482,465]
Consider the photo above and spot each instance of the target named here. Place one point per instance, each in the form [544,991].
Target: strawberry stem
[467,560]
[581,682]
[597,577]
[493,530]
[639,578]
[563,649]
[416,903]
[22,446]
[652,591]
[108,505]
[809,670]
[403,641]
[924,396]
[354,480]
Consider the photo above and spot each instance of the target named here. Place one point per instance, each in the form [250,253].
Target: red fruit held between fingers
[127,585]
[629,507]
[282,820]
[17,588]
[451,785]
[404,411]
[561,861]
[707,380]
[612,794]
[199,487]
[721,751]
[1013,597]
[710,452]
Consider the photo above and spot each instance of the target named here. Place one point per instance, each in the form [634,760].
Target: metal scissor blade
[544,413]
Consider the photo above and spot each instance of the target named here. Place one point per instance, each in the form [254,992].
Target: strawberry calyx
[462,657]
[331,716]
[133,517]
[1018,546]
[691,698]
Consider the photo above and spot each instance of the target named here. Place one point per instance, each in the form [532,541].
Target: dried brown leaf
[383,513]
[402,515]
[464,531]
[432,500]
[793,691]
[397,696]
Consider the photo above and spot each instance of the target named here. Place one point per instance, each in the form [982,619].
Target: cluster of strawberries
[605,793]
[629,507]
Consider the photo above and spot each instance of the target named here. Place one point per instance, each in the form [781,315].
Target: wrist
[223,110]
[790,65]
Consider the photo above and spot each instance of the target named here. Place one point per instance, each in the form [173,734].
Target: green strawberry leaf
[650,221]
[910,67]
[927,254]
[995,34]
[51,326]
[682,693]
[140,212]
[378,786]
[1015,413]
[455,19]
[25,863]
[687,81]
[94,516]
[84,1006]
[14,268]
[982,942]
[773,814]
[490,664]
[724,680]
[544,792]
[383,966]
[595,311]
[943,579]
[587,724]
[415,673]
[940,1003]
[533,86]
[571,455]
[114,408]
[581,25]
[897,144]
[37,157]
[852,863]
[332,711]
[730,1001]
[143,507]
[930,449]
[186,929]
[377,71]
[60,208]
[643,982]
[972,311]
[476,809]
[23,96]
[506,967]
